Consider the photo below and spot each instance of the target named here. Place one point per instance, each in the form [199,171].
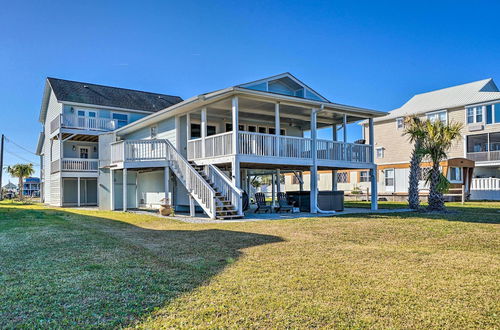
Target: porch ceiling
[78,137]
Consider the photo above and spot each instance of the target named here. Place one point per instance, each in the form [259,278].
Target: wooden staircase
[225,210]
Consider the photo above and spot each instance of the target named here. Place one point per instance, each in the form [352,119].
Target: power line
[20,146]
[20,157]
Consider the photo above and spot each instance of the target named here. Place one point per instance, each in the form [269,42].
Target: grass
[78,268]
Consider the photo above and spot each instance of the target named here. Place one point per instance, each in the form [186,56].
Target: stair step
[236,216]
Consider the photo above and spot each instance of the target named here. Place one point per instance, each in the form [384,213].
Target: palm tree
[414,129]
[21,171]
[438,140]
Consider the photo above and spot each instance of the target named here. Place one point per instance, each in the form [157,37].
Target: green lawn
[64,267]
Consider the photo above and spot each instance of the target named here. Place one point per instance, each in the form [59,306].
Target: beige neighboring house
[474,161]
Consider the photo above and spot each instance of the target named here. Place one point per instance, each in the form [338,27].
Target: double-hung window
[364,176]
[380,152]
[455,174]
[475,115]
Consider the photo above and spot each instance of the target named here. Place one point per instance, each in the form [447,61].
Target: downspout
[315,161]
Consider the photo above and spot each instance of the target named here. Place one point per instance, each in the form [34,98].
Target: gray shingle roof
[86,93]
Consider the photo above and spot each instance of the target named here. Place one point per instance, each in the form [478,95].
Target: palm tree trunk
[21,188]
[436,198]
[413,191]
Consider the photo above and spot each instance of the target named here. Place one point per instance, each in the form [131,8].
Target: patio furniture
[283,204]
[262,205]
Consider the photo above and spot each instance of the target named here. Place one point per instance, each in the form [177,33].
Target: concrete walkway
[250,216]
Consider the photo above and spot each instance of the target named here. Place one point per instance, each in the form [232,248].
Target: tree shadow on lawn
[64,269]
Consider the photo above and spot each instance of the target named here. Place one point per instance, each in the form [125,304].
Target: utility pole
[1,166]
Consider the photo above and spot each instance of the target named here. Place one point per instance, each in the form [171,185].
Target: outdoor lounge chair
[283,204]
[262,205]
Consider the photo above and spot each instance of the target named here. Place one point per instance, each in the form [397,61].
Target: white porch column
[277,127]
[203,130]
[188,126]
[111,190]
[314,168]
[124,189]
[344,147]
[236,175]
[273,192]
[374,190]
[373,171]
[234,117]
[166,180]
[78,190]
[371,134]
[192,210]
[334,172]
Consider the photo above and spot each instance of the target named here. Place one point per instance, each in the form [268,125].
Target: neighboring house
[477,106]
[73,116]
[10,190]
[202,151]
[31,187]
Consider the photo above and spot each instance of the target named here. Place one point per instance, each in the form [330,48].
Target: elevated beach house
[201,153]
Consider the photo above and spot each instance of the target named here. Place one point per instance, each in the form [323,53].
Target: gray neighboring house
[73,116]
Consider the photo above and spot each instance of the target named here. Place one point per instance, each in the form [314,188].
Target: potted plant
[165,207]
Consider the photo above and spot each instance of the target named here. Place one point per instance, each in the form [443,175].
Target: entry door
[84,153]
[389,179]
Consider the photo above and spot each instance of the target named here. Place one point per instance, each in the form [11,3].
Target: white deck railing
[74,165]
[268,145]
[485,184]
[89,123]
[225,186]
[163,150]
[484,156]
[79,165]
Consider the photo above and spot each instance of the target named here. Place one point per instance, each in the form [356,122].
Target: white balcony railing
[484,156]
[485,184]
[268,145]
[75,165]
[89,123]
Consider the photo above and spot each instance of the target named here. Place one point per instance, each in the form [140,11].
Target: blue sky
[369,54]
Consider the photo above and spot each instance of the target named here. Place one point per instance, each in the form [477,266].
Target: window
[380,152]
[153,132]
[475,115]
[241,127]
[252,129]
[121,119]
[470,115]
[342,177]
[229,127]
[493,113]
[438,115]
[282,132]
[272,130]
[399,123]
[389,177]
[263,130]
[489,114]
[295,179]
[196,130]
[84,153]
[364,176]
[455,174]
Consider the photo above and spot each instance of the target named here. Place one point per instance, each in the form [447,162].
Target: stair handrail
[226,187]
[201,191]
